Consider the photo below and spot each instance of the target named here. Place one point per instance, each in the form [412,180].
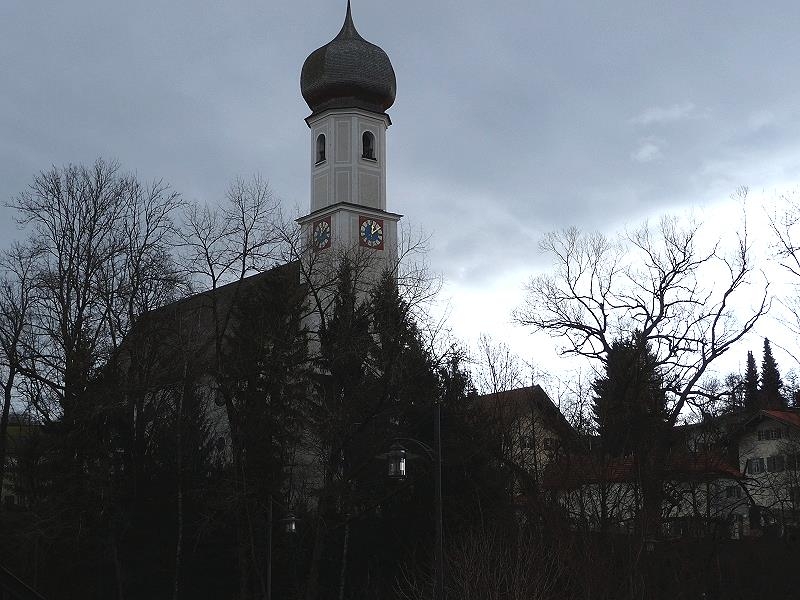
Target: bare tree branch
[683,299]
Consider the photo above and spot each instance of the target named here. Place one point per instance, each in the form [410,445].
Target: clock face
[370,233]
[321,234]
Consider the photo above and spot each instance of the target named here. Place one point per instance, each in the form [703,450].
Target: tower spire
[348,28]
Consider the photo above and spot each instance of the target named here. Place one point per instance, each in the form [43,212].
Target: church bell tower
[349,84]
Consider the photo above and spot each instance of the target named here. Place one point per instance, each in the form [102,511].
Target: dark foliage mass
[166,440]
[630,403]
[751,401]
[771,383]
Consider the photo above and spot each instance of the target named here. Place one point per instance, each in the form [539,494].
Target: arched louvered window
[320,148]
[368,145]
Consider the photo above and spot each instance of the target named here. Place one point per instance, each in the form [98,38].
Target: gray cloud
[510,121]
[665,114]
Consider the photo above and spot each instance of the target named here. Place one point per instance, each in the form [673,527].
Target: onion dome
[348,72]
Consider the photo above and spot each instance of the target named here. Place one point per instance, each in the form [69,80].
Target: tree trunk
[316,556]
[319,537]
[649,470]
[179,461]
[117,563]
[343,570]
[4,430]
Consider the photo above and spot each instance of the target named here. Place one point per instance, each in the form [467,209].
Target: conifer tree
[751,399]
[771,383]
[629,406]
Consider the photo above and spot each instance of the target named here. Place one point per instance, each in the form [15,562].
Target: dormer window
[368,145]
[320,148]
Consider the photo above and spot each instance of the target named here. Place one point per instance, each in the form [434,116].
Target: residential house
[531,432]
[732,476]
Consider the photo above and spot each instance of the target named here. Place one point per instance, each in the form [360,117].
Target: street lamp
[396,458]
[290,523]
[397,461]
[289,526]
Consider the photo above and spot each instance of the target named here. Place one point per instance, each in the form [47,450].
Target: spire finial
[348,29]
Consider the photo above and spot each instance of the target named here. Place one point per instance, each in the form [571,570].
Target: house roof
[727,421]
[574,471]
[788,417]
[19,429]
[510,405]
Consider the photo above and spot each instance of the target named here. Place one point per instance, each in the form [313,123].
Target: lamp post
[397,470]
[290,526]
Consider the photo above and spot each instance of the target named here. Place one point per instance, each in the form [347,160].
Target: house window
[775,464]
[754,465]
[733,492]
[769,434]
[792,462]
[320,148]
[368,145]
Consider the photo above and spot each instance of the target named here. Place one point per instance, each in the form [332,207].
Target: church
[348,84]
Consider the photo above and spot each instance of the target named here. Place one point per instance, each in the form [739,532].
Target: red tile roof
[789,417]
[574,471]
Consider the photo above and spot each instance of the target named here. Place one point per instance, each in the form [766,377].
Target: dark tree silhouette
[771,383]
[631,411]
[630,402]
[649,279]
[751,401]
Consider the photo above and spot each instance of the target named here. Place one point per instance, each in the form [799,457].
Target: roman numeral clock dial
[370,233]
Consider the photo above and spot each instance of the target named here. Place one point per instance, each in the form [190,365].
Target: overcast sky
[512,119]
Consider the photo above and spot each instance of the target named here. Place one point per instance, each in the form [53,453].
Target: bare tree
[785,226]
[102,258]
[498,369]
[225,244]
[17,296]
[680,297]
[660,285]
[98,255]
[485,565]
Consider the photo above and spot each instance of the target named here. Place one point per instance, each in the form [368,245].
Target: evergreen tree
[267,379]
[771,383]
[629,406]
[268,368]
[751,397]
[791,389]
